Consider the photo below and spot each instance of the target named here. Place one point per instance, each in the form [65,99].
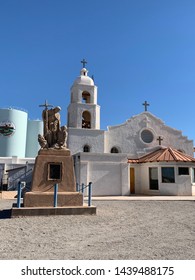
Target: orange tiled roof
[164,154]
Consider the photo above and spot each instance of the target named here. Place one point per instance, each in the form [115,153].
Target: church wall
[182,186]
[105,178]
[77,90]
[128,137]
[108,173]
[75,112]
[193,189]
[78,138]
[125,179]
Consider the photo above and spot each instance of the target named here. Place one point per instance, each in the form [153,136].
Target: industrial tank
[13,130]
[35,127]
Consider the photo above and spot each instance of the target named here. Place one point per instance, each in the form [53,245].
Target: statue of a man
[51,120]
[54,135]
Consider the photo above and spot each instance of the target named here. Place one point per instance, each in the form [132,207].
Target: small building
[165,171]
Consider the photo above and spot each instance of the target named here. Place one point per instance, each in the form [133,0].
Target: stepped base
[8,194]
[41,211]
[46,199]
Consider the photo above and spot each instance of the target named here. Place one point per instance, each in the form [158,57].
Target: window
[168,175]
[86,149]
[114,150]
[54,171]
[153,177]
[183,171]
[147,136]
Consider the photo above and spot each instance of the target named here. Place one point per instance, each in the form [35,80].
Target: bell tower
[83,110]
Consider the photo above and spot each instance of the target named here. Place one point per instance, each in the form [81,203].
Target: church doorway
[132,180]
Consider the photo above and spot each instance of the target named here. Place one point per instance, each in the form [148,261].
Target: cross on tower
[146,104]
[83,62]
[46,105]
[160,139]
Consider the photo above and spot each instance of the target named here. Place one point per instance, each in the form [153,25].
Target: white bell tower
[83,111]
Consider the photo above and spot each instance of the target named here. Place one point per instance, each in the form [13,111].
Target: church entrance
[132,180]
[153,177]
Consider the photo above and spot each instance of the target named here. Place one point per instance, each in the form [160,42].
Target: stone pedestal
[52,167]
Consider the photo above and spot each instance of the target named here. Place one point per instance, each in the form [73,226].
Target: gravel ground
[120,230]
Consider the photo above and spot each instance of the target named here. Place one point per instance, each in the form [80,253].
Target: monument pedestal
[53,167]
[46,199]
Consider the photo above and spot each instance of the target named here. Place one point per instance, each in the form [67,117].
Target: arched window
[114,150]
[86,120]
[85,97]
[86,149]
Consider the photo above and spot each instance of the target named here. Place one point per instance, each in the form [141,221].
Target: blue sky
[137,50]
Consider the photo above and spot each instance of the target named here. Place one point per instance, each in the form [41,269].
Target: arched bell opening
[86,97]
[86,120]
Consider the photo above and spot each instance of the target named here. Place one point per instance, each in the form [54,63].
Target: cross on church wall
[83,62]
[146,104]
[159,139]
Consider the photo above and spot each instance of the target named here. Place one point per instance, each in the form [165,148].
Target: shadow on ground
[5,214]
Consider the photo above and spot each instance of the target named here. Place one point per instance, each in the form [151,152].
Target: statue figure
[54,136]
[42,142]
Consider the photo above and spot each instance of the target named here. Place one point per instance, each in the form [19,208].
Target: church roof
[83,79]
[164,155]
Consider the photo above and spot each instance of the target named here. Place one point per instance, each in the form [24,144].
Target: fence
[82,187]
[79,188]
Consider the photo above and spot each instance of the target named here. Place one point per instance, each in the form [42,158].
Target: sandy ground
[120,230]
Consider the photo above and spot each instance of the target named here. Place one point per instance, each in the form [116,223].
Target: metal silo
[34,128]
[13,130]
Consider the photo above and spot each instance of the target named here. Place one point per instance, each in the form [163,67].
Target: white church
[129,158]
[141,156]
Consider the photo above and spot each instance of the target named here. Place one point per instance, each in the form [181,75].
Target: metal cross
[83,62]
[160,139]
[146,104]
[46,105]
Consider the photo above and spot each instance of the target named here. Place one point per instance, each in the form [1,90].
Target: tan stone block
[46,199]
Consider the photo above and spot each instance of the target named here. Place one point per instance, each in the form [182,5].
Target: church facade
[141,156]
[112,159]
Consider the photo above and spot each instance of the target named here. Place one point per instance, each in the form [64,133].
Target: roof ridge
[166,154]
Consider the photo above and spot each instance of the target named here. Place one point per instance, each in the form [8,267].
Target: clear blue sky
[137,50]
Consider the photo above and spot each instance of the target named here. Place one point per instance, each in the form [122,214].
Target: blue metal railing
[82,187]
[13,184]
[21,186]
[55,195]
[79,188]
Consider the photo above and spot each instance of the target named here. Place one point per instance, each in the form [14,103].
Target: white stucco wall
[77,138]
[127,136]
[183,183]
[108,173]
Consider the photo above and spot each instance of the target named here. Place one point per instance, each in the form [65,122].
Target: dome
[83,79]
